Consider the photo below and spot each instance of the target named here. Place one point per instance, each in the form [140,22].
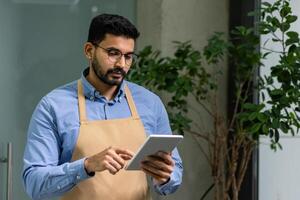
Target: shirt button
[58,187]
[77,177]
[92,98]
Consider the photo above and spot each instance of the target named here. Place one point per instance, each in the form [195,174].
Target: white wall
[279,172]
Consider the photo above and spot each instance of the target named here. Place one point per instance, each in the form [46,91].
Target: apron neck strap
[130,102]
[81,102]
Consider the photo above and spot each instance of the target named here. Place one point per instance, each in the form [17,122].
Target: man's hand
[111,159]
[159,166]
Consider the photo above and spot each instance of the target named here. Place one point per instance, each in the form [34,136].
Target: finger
[151,174]
[154,174]
[110,168]
[124,151]
[117,164]
[158,164]
[125,157]
[116,157]
[152,164]
[115,160]
[167,157]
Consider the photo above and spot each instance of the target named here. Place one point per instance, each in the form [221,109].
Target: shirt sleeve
[43,177]
[163,127]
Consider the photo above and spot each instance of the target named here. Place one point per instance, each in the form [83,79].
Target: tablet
[153,144]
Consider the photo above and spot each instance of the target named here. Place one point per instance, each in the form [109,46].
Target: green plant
[233,137]
[180,76]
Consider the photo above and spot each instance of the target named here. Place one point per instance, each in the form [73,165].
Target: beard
[108,77]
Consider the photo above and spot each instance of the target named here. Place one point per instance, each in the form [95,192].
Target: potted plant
[233,137]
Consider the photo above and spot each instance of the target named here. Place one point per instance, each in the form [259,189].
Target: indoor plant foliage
[234,136]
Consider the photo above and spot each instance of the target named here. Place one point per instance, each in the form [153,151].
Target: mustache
[117,70]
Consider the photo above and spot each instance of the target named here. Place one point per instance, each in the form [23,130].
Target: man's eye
[128,56]
[113,53]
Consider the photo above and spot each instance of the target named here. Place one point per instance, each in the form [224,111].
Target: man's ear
[89,50]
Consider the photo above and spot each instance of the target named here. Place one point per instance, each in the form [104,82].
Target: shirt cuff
[165,188]
[77,169]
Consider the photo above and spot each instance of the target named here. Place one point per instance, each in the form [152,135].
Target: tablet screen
[152,145]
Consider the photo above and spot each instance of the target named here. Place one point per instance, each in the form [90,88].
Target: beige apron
[97,135]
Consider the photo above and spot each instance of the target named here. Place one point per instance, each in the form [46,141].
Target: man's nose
[121,62]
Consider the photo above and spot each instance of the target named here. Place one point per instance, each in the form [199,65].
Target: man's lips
[116,75]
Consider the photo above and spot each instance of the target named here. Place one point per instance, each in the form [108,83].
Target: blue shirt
[52,134]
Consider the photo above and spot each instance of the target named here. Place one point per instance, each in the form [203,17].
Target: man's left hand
[159,166]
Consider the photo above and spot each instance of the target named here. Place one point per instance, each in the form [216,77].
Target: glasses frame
[107,50]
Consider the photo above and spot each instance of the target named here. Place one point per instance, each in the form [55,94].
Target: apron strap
[81,102]
[131,104]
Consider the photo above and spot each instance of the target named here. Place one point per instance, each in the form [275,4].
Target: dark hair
[112,24]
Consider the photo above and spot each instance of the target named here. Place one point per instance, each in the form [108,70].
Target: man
[82,134]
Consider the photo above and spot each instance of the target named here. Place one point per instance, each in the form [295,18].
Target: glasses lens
[114,55]
[132,60]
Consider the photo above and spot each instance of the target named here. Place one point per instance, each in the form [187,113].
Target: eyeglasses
[115,55]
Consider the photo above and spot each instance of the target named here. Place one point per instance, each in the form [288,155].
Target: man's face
[109,70]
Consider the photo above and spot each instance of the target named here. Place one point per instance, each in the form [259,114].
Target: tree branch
[194,134]
[236,106]
[248,153]
[204,107]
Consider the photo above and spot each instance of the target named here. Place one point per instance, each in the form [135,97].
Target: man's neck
[108,91]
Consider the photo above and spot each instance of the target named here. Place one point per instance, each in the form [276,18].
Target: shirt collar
[91,93]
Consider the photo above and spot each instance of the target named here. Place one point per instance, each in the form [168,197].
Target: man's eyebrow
[113,48]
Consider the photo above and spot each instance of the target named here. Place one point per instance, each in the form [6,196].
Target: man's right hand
[111,159]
